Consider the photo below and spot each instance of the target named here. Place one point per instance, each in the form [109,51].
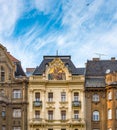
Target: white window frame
[109,114]
[17,113]
[63,96]
[17,128]
[109,95]
[17,93]
[95,98]
[96,116]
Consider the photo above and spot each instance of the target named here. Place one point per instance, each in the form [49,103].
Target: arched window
[96,116]
[109,114]
[109,95]
[95,98]
[2,74]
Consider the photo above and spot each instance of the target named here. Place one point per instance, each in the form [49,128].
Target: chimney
[112,58]
[96,59]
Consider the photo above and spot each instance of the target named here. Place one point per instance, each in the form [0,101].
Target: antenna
[56,52]
[100,55]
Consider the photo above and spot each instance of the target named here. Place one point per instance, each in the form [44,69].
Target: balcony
[35,121]
[3,98]
[37,103]
[76,103]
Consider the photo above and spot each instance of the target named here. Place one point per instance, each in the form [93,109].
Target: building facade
[56,95]
[13,93]
[111,89]
[99,106]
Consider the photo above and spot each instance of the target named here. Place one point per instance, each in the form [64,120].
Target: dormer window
[2,74]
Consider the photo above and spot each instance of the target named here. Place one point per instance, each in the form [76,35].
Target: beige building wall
[71,85]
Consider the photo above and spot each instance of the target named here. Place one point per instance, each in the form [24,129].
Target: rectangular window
[116,113]
[50,96]
[63,96]
[3,127]
[95,97]
[109,95]
[37,96]
[76,114]
[50,115]
[16,93]
[3,111]
[16,113]
[76,96]
[37,114]
[63,115]
[16,128]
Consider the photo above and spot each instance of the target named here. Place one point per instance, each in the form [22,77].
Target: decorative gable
[57,70]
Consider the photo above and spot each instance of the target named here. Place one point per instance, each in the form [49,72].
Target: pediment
[57,70]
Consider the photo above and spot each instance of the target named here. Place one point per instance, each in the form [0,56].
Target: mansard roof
[98,67]
[66,59]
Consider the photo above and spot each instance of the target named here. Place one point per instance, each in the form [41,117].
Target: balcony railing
[37,103]
[76,103]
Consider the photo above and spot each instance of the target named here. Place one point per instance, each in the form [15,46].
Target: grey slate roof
[96,70]
[19,71]
[99,68]
[67,61]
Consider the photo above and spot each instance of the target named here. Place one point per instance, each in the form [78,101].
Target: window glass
[109,114]
[63,115]
[2,74]
[16,113]
[76,114]
[50,96]
[16,93]
[50,115]
[63,96]
[95,116]
[95,98]
[37,114]
[37,96]
[76,96]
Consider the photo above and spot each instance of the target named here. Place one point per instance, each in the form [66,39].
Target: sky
[30,29]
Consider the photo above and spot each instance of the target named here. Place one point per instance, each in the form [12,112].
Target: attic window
[67,65]
[2,74]
[46,65]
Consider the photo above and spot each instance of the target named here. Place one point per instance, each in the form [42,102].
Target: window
[63,96]
[2,74]
[3,127]
[2,92]
[76,96]
[95,98]
[109,114]
[50,129]
[109,128]
[63,129]
[3,111]
[116,113]
[16,113]
[37,114]
[95,116]
[37,96]
[50,115]
[109,95]
[95,129]
[16,93]
[63,115]
[76,114]
[50,96]
[116,95]
[16,128]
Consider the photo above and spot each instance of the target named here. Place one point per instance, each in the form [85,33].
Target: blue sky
[80,28]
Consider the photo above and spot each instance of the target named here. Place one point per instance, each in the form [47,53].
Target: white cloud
[10,11]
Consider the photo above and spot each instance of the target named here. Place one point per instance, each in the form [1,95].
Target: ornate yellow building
[56,95]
